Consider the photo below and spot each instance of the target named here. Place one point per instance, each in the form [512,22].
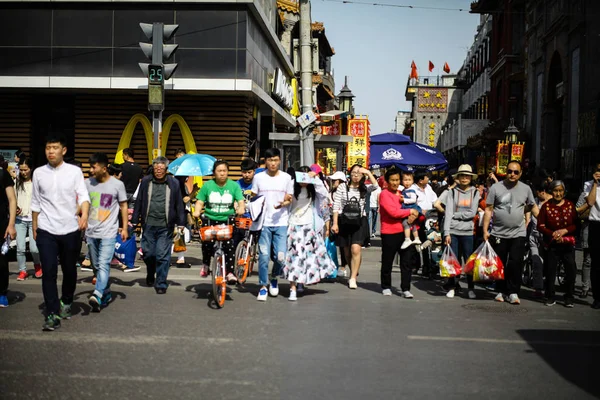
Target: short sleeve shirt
[103,220]
[509,209]
[219,200]
[274,188]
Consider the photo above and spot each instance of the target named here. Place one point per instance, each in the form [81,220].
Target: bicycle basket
[243,223]
[216,232]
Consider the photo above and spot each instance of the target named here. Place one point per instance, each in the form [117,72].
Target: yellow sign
[295,111]
[358,149]
[188,138]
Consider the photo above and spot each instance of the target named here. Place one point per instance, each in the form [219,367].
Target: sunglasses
[512,172]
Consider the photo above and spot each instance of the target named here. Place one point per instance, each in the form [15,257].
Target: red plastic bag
[484,264]
[449,265]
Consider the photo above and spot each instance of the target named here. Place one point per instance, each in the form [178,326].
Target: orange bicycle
[218,234]
[245,251]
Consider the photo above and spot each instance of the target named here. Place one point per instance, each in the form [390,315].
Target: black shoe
[161,290]
[569,303]
[52,323]
[596,305]
[150,281]
[584,294]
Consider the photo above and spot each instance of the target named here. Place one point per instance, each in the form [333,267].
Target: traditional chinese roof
[291,6]
[318,27]
[318,31]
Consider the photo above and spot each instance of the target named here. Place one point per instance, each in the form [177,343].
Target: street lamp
[511,136]
[345,97]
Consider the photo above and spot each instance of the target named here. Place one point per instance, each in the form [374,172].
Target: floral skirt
[307,260]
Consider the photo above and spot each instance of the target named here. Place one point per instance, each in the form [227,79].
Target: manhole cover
[496,308]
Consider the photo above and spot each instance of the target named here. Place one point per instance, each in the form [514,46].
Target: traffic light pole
[157,130]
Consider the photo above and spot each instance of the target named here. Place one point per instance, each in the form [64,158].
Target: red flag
[446,68]
[413,71]
[431,66]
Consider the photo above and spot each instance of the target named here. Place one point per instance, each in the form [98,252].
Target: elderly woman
[557,223]
[392,235]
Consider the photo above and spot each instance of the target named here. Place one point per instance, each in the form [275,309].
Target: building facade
[435,100]
[400,124]
[72,68]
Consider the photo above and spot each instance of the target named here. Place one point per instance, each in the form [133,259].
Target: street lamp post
[345,98]
[511,136]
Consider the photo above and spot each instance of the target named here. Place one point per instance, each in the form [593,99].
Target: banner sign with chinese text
[501,158]
[334,130]
[358,149]
[517,152]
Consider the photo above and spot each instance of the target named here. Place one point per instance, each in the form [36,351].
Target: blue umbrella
[409,156]
[192,165]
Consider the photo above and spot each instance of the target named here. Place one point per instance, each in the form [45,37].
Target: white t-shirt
[595,211]
[426,197]
[374,198]
[274,189]
[302,210]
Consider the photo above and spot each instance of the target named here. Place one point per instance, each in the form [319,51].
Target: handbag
[178,242]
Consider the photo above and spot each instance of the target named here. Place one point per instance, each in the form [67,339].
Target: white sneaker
[262,294]
[293,296]
[352,283]
[406,244]
[387,292]
[274,288]
[514,299]
[472,295]
[416,241]
[407,295]
[499,298]
[450,294]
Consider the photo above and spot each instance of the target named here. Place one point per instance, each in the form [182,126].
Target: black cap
[248,164]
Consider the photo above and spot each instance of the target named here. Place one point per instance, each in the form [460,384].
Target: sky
[375,45]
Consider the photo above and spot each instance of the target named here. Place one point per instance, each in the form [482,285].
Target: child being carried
[409,201]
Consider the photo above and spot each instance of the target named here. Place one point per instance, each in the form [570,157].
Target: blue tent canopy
[390,149]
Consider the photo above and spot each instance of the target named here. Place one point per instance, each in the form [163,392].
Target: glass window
[25,27]
[25,61]
[82,28]
[125,62]
[206,63]
[127,25]
[81,62]
[207,29]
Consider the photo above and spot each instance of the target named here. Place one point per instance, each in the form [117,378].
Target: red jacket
[391,212]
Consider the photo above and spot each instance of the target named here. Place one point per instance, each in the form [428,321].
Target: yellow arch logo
[125,142]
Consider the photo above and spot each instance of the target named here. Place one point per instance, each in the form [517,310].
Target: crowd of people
[54,207]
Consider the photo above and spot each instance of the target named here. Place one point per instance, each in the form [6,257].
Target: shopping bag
[485,264]
[178,242]
[125,251]
[332,252]
[449,265]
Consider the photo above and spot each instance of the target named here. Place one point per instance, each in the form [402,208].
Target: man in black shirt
[8,214]
[132,174]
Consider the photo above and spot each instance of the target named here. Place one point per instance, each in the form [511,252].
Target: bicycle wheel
[560,273]
[241,261]
[527,277]
[218,280]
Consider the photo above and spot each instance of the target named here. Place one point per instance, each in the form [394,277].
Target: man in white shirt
[277,188]
[592,198]
[426,197]
[59,205]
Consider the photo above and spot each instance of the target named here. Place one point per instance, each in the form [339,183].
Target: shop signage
[358,149]
[333,130]
[517,152]
[282,90]
[501,158]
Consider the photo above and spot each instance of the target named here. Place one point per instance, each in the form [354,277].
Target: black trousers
[409,258]
[511,253]
[208,248]
[427,268]
[3,263]
[593,240]
[52,248]
[566,254]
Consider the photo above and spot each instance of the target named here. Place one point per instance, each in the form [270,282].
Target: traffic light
[158,53]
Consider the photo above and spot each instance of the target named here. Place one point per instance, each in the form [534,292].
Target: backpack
[352,212]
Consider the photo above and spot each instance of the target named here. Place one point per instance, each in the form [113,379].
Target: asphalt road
[334,343]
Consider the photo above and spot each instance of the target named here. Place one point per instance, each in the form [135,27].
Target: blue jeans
[271,245]
[101,252]
[462,246]
[156,244]
[373,219]
[25,228]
